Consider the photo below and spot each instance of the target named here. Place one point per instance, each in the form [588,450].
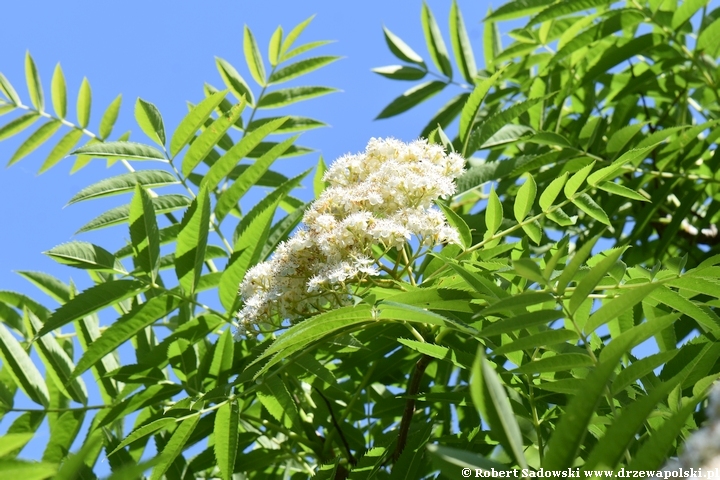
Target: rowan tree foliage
[582,227]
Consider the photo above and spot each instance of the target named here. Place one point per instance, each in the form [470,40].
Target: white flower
[381,197]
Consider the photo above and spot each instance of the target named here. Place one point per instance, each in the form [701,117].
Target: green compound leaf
[301,335]
[107,122]
[294,34]
[491,400]
[288,96]
[17,125]
[175,446]
[301,68]
[48,284]
[293,123]
[226,438]
[125,183]
[125,328]
[249,177]
[192,241]
[618,305]
[144,233]
[148,117]
[225,164]
[435,43]
[34,85]
[585,203]
[193,121]
[573,426]
[62,149]
[576,181]
[411,98]
[456,221]
[28,470]
[128,150]
[90,301]
[59,92]
[518,8]
[592,278]
[472,106]
[234,81]
[462,47]
[119,215]
[485,131]
[401,50]
[22,369]
[493,213]
[709,39]
[617,189]
[274,46]
[84,103]
[400,72]
[144,431]
[274,396]
[7,89]
[211,136]
[59,364]
[252,57]
[525,199]
[38,137]
[577,261]
[565,8]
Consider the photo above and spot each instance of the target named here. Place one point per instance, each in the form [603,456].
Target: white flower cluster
[382,197]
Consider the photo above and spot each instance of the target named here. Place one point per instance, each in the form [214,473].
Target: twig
[412,390]
[351,458]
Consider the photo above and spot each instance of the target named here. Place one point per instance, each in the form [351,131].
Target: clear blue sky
[164,52]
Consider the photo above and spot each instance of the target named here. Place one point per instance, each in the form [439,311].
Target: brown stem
[412,390]
[351,459]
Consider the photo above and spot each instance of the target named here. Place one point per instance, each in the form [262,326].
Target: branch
[351,459]
[412,390]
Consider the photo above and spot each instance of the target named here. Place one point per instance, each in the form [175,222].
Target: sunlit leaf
[224,165]
[288,96]
[90,301]
[234,81]
[472,106]
[34,85]
[22,369]
[252,57]
[107,122]
[148,117]
[210,137]
[129,150]
[62,149]
[193,121]
[401,50]
[17,125]
[125,328]
[226,438]
[174,446]
[144,234]
[38,137]
[300,68]
[84,103]
[59,365]
[192,241]
[59,92]
[119,215]
[125,183]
